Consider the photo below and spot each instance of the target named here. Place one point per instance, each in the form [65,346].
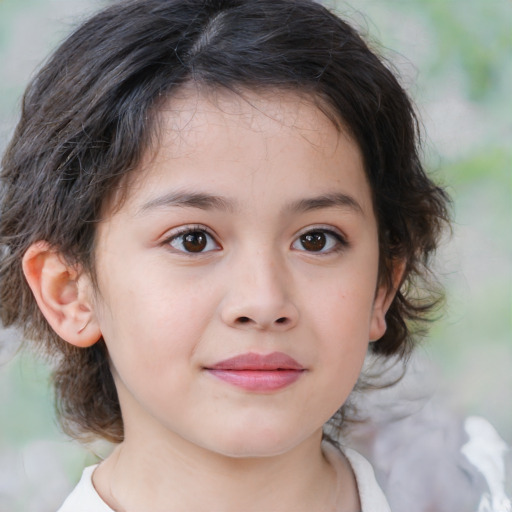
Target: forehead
[206,138]
[195,116]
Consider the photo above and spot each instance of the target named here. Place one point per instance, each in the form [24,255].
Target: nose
[260,296]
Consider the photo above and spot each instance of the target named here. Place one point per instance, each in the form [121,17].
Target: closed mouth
[258,372]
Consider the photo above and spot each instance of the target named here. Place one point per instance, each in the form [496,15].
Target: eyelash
[191,230]
[337,241]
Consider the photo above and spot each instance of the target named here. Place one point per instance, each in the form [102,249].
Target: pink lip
[257,372]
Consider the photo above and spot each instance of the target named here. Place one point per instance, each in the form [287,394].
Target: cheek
[149,321]
[341,316]
[345,305]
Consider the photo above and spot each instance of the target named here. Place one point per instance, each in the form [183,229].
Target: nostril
[245,320]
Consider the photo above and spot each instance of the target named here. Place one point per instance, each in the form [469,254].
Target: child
[211,211]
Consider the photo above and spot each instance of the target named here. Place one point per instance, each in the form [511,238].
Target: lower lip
[258,380]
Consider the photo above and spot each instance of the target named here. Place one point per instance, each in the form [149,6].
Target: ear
[62,294]
[383,299]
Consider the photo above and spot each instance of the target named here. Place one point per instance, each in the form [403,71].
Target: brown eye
[321,241]
[314,241]
[193,241]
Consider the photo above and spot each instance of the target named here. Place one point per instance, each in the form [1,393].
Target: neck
[158,475]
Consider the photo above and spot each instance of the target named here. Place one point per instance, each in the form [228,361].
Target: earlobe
[378,324]
[383,299]
[62,294]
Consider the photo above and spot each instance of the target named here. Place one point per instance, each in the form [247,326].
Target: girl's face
[238,281]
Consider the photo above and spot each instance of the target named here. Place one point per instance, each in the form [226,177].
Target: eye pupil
[195,242]
[314,241]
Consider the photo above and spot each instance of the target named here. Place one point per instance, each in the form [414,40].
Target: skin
[278,169]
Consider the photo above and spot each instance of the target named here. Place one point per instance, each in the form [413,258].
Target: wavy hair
[90,114]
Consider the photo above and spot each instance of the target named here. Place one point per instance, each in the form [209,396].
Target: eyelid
[326,228]
[341,238]
[190,228]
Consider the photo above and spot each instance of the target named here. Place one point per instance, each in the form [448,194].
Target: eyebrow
[335,200]
[190,200]
[206,201]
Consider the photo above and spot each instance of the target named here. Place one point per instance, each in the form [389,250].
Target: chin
[254,443]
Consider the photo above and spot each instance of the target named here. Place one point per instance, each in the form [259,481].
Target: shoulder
[84,497]
[370,494]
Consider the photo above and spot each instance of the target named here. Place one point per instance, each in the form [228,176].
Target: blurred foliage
[25,378]
[489,164]
[474,35]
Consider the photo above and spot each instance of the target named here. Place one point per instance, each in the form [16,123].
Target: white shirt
[370,494]
[84,497]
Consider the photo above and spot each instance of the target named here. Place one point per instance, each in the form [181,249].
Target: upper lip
[262,362]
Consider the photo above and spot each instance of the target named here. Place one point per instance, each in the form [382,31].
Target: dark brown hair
[89,114]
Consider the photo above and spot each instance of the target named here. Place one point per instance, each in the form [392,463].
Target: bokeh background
[455,58]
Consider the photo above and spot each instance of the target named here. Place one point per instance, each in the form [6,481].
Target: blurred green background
[455,58]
